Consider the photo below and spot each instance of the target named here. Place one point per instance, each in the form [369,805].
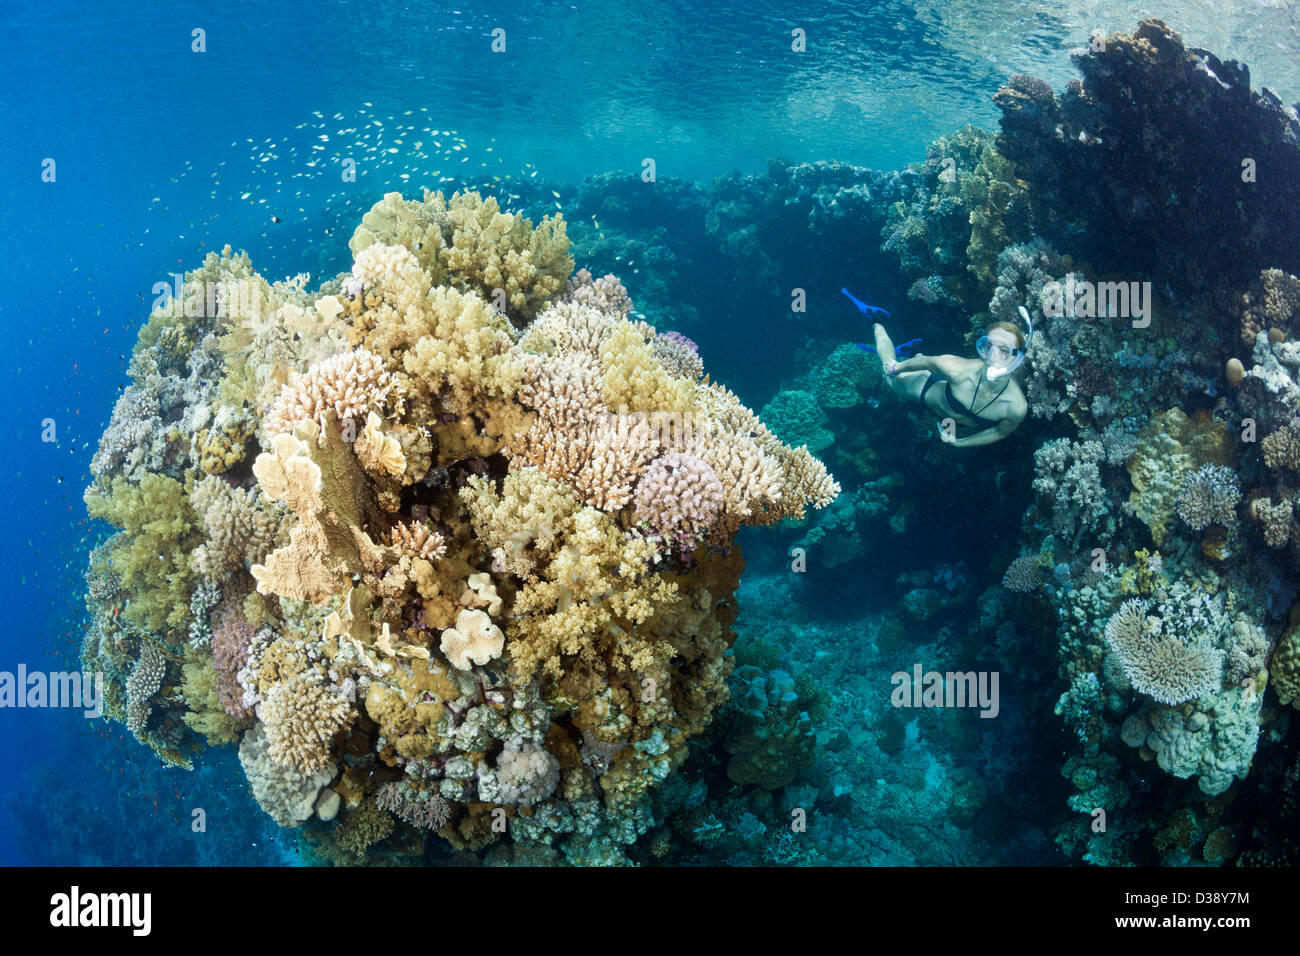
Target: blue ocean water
[161,154]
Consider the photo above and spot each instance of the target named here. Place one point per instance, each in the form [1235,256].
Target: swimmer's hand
[892,369]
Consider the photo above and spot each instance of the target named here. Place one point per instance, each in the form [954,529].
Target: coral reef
[482,558]
[1096,155]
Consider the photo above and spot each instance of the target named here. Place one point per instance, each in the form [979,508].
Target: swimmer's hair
[1013,329]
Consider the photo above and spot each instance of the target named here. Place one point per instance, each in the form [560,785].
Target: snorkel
[984,347]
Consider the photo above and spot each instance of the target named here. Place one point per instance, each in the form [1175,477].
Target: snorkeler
[964,391]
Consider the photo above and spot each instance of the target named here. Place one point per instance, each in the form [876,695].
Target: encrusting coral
[482,557]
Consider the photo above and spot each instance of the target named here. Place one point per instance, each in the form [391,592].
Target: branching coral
[238,528]
[1271,302]
[302,716]
[350,385]
[1209,496]
[679,498]
[1024,574]
[469,243]
[144,683]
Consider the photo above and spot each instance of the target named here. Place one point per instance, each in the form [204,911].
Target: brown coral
[1272,301]
[302,716]
[1024,574]
[324,486]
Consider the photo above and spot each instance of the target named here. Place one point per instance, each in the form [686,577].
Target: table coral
[1163,666]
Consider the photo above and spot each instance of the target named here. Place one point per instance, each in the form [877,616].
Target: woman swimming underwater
[964,393]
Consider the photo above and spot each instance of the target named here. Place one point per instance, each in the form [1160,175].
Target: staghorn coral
[351,386]
[1069,475]
[575,437]
[418,540]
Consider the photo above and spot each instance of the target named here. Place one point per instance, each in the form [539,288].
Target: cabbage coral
[486,535]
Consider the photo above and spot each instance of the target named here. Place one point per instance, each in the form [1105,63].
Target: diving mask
[989,351]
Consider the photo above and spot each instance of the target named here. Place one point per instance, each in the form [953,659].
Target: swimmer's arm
[946,365]
[995,433]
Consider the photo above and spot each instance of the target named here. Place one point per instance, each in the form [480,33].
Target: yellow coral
[206,715]
[378,453]
[1168,449]
[152,556]
[635,379]
[468,243]
[320,480]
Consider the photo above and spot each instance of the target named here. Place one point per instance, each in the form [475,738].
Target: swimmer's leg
[908,384]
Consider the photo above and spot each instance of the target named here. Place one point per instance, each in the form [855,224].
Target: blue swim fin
[862,306]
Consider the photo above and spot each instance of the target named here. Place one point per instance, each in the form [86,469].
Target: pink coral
[350,385]
[607,294]
[679,355]
[679,498]
[232,635]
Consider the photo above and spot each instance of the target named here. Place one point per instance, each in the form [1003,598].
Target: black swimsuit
[954,404]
